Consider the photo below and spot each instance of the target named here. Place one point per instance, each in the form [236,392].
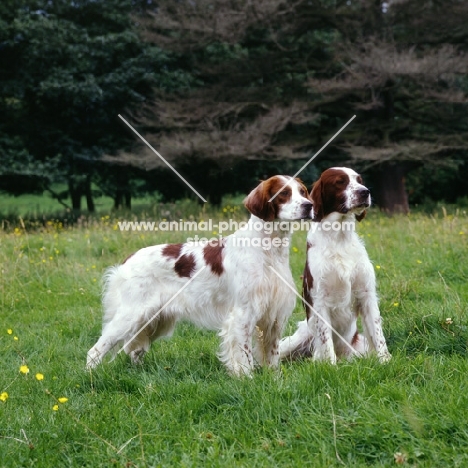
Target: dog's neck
[337,227]
[257,227]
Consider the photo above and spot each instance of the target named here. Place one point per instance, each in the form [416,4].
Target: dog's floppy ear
[308,196]
[257,202]
[317,200]
[360,217]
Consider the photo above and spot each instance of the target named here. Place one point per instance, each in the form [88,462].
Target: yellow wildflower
[39,376]
[396,304]
[9,331]
[3,396]
[55,407]
[63,399]
[377,267]
[295,249]
[24,369]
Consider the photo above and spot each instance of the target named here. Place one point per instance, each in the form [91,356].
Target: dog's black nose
[306,205]
[364,192]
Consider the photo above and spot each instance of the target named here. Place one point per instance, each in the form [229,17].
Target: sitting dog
[339,279]
[226,285]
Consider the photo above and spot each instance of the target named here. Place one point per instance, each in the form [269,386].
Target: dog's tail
[111,299]
[298,345]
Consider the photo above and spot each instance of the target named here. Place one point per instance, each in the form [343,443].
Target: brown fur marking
[185,265]
[213,255]
[172,250]
[307,285]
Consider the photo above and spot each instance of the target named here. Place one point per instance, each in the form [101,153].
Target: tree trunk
[389,189]
[118,199]
[128,200]
[75,194]
[89,195]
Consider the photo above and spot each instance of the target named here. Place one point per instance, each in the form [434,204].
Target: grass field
[182,409]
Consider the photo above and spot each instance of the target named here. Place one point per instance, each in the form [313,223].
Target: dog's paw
[325,357]
[385,357]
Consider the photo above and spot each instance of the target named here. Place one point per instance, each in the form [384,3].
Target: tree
[408,88]
[276,79]
[70,69]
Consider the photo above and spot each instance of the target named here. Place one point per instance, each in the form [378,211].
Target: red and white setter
[233,290]
[339,280]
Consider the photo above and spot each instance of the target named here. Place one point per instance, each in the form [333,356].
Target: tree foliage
[69,69]
[232,90]
[279,78]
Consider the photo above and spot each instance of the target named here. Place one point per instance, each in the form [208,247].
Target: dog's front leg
[267,343]
[320,326]
[236,342]
[372,322]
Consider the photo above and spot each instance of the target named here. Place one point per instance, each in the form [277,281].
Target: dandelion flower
[63,399]
[3,396]
[15,338]
[9,331]
[377,267]
[55,407]
[24,369]
[295,249]
[396,304]
[418,261]
[39,376]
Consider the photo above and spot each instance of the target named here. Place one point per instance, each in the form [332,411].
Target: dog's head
[340,190]
[291,200]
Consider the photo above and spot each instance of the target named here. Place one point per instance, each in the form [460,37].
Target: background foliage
[232,91]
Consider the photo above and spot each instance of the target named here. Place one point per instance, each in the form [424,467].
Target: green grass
[182,409]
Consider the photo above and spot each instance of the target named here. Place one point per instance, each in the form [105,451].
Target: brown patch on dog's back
[355,338]
[172,250]
[185,265]
[213,255]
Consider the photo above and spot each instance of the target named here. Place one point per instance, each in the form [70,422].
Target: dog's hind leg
[99,350]
[139,345]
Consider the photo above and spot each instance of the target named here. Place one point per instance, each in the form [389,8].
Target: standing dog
[226,285]
[339,279]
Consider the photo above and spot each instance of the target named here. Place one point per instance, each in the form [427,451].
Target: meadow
[180,408]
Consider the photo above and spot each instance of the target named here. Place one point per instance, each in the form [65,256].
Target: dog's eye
[340,181]
[284,192]
[302,192]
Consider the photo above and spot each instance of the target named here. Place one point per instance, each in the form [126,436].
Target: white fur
[344,287]
[247,303]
